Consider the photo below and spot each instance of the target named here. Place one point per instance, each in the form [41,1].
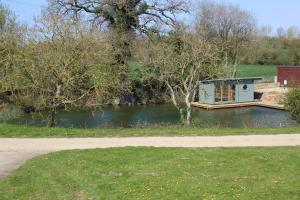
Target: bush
[292,103]
[10,112]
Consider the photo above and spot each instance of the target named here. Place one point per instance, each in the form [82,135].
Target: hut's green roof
[232,79]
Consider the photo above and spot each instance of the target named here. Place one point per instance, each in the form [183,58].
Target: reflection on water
[134,116]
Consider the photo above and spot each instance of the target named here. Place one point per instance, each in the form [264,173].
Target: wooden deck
[238,105]
[271,105]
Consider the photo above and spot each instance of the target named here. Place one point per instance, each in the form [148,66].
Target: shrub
[10,112]
[292,103]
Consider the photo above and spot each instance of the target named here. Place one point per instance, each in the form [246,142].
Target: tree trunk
[175,103]
[188,104]
[52,117]
[121,45]
[182,115]
[54,106]
[188,116]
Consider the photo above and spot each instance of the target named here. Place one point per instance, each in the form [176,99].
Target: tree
[281,33]
[292,32]
[180,60]
[63,65]
[11,38]
[265,31]
[232,26]
[124,17]
[292,103]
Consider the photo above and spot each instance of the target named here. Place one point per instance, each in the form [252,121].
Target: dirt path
[14,152]
[10,161]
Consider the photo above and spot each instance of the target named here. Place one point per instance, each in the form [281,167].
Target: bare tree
[61,65]
[265,31]
[124,17]
[292,32]
[281,33]
[180,60]
[227,23]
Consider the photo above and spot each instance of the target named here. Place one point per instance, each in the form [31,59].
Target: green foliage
[158,173]
[292,103]
[10,112]
[67,70]
[135,70]
[144,85]
[11,37]
[266,58]
[273,51]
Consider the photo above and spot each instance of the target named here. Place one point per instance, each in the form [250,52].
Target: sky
[276,13]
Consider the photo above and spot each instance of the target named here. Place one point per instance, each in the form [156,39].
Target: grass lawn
[7,130]
[266,71]
[158,173]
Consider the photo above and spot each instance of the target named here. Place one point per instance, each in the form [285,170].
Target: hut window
[218,92]
[245,87]
[224,92]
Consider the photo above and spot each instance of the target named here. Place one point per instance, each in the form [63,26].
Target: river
[150,115]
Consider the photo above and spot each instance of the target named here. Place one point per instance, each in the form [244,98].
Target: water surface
[134,116]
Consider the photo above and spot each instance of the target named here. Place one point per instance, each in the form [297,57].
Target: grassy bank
[158,173]
[27,131]
[266,71]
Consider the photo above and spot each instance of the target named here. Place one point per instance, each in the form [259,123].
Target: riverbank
[15,131]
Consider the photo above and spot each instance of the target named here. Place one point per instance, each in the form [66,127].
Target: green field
[266,71]
[27,131]
[158,173]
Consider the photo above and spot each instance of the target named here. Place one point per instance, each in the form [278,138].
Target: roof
[288,67]
[232,79]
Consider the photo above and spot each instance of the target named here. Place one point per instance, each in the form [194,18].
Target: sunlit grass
[268,72]
[158,173]
[7,130]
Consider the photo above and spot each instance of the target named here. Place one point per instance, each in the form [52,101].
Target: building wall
[207,92]
[291,74]
[245,95]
